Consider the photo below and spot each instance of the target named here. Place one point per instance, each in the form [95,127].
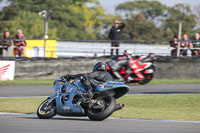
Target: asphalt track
[20,123]
[24,123]
[21,91]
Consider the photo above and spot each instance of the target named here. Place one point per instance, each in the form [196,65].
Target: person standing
[6,42]
[174,44]
[196,45]
[115,36]
[185,44]
[19,43]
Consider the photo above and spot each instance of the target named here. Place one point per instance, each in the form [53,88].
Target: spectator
[196,44]
[19,42]
[6,41]
[174,44]
[185,44]
[115,35]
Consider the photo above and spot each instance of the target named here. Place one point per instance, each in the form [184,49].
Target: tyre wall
[53,68]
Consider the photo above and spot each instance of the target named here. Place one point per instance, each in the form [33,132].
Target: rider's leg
[87,85]
[16,52]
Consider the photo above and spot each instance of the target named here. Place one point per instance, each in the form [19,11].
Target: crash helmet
[100,66]
[128,53]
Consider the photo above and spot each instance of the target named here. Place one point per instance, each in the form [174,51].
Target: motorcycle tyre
[45,116]
[145,81]
[105,113]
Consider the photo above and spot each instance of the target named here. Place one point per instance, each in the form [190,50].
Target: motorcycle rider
[118,62]
[93,79]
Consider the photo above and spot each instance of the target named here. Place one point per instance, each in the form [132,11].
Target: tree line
[87,20]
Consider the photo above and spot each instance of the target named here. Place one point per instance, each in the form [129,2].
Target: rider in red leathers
[130,64]
[19,42]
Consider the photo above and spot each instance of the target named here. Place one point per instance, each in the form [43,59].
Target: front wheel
[101,108]
[47,109]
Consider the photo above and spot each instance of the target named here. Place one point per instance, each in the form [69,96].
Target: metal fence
[102,48]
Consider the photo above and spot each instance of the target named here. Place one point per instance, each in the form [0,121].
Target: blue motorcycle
[71,99]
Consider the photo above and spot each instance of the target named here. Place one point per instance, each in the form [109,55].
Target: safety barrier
[62,48]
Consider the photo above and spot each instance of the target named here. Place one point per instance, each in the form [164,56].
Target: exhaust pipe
[119,106]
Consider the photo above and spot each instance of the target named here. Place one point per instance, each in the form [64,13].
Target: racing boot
[88,89]
[90,94]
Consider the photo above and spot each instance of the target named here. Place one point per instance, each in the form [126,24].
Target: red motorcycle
[139,69]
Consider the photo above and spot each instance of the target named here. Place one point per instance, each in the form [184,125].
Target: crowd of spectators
[18,41]
[186,45]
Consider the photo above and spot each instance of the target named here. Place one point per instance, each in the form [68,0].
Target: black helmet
[100,66]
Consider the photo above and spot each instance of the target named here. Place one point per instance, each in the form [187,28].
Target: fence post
[179,34]
[46,15]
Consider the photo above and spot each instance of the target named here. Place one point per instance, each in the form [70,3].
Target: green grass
[50,82]
[175,81]
[26,82]
[184,107]
[20,105]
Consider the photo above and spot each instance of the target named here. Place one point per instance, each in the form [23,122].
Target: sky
[3,3]
[109,5]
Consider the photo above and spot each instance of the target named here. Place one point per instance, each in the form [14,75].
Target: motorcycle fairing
[119,88]
[65,106]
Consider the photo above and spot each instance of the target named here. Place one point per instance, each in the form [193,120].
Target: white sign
[7,70]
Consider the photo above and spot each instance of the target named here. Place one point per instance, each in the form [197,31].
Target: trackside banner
[7,70]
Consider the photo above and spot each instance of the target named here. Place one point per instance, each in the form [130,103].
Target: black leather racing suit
[93,79]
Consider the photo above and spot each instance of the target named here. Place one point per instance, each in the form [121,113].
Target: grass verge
[184,107]
[26,82]
[175,81]
[50,82]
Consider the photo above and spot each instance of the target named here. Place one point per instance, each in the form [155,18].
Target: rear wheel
[46,110]
[101,108]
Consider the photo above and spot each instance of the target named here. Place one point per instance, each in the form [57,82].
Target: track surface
[22,123]
[18,91]
[31,124]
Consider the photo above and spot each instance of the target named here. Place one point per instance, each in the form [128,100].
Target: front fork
[52,97]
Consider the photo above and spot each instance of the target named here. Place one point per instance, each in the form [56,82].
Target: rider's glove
[83,78]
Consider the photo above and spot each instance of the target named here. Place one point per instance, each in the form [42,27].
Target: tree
[70,19]
[189,21]
[151,10]
[155,21]
[139,28]
[141,18]
[30,23]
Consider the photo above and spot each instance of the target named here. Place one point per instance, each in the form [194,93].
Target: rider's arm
[75,77]
[93,75]
[122,25]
